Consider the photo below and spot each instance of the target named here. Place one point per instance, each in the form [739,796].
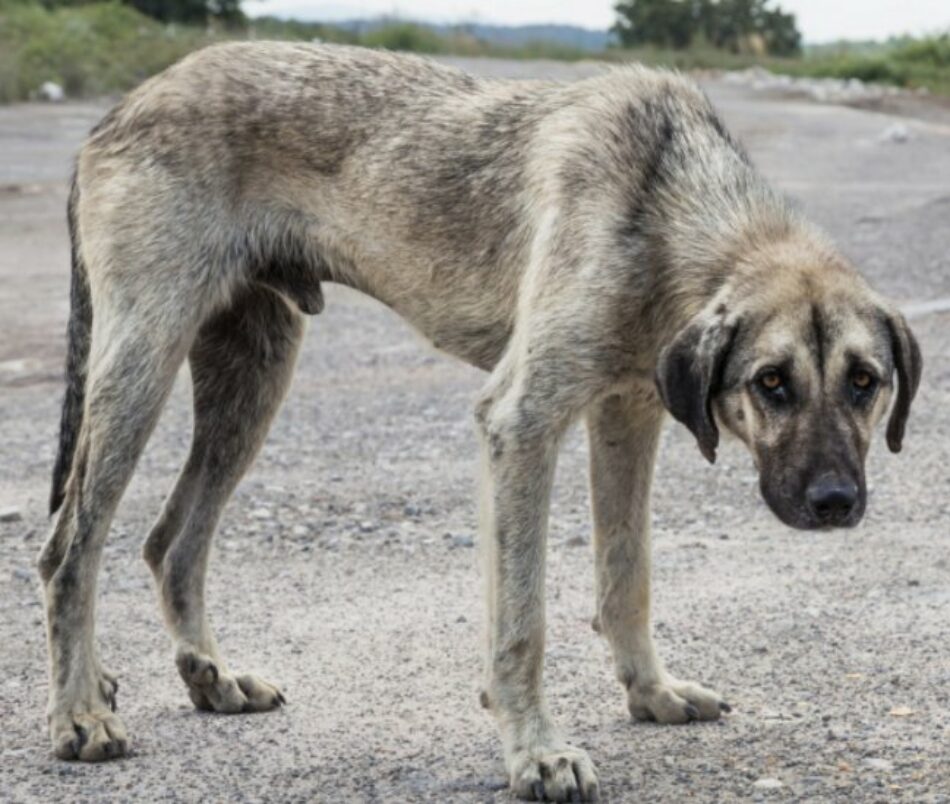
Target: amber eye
[862,380]
[771,380]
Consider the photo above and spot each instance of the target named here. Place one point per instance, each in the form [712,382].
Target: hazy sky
[819,20]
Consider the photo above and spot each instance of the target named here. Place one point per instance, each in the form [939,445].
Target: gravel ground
[345,568]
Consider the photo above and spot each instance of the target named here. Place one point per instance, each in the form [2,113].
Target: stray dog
[605,249]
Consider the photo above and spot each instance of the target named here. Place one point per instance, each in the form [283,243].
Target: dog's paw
[554,774]
[215,690]
[674,701]
[90,734]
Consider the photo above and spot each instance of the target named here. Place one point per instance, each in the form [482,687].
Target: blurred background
[81,48]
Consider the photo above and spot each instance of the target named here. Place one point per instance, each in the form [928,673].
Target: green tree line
[187,12]
[739,26]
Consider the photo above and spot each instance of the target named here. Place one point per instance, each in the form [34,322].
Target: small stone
[52,92]
[10,515]
[261,513]
[901,711]
[367,527]
[879,764]
[22,574]
[576,541]
[896,132]
[460,541]
[768,783]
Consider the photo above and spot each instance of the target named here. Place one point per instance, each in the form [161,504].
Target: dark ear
[689,373]
[908,364]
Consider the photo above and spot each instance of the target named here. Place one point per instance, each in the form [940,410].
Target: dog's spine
[77,356]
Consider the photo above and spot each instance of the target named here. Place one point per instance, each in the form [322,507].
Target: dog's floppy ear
[908,365]
[689,373]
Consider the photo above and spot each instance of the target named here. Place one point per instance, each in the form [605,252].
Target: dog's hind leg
[241,366]
[131,370]
[624,432]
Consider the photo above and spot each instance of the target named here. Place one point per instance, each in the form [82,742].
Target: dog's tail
[77,356]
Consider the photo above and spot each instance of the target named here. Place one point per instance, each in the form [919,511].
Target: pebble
[879,764]
[576,541]
[22,574]
[52,92]
[10,515]
[896,132]
[768,783]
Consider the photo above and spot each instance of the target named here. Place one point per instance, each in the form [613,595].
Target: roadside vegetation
[96,48]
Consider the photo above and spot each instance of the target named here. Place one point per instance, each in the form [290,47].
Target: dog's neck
[724,260]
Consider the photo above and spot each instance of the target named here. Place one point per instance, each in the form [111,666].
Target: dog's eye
[772,385]
[862,380]
[863,384]
[771,381]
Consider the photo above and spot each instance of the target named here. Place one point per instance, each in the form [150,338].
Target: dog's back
[412,181]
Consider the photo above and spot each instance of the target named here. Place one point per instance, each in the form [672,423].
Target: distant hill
[503,35]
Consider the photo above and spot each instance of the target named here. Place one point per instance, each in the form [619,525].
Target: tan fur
[602,248]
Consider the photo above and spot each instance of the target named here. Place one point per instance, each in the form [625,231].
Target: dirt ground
[345,569]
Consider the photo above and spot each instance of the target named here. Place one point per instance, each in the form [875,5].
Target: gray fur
[577,241]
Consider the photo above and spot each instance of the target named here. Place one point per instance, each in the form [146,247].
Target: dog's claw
[725,707]
[538,789]
[692,712]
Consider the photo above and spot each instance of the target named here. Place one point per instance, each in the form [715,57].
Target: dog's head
[799,359]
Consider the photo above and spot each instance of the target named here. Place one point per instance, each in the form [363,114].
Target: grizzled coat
[603,248]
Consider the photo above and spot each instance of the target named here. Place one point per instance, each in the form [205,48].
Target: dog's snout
[832,500]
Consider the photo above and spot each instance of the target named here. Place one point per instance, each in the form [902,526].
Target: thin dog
[605,249]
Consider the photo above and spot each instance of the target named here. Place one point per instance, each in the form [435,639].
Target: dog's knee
[514,423]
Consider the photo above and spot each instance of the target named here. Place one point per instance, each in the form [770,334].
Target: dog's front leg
[624,431]
[519,447]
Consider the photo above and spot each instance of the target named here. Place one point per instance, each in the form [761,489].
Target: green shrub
[405,36]
[933,51]
[89,50]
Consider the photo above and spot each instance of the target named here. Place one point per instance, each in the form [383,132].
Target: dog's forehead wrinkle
[857,341]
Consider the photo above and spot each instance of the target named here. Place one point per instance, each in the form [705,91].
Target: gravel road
[345,568]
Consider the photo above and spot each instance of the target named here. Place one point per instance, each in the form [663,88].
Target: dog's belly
[466,311]
[479,345]
[462,301]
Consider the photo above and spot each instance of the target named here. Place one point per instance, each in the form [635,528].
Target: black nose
[832,499]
